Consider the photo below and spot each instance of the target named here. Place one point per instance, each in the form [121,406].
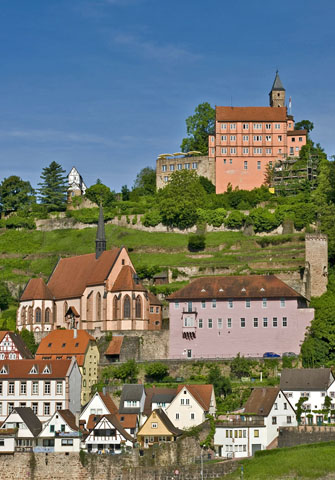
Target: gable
[147,428]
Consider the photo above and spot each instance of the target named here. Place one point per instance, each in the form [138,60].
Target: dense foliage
[100,194]
[15,194]
[53,187]
[198,127]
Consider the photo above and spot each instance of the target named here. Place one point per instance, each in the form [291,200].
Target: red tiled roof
[153,299]
[250,114]
[114,347]
[261,400]
[108,401]
[296,132]
[125,281]
[21,368]
[36,289]
[201,393]
[62,343]
[69,418]
[93,419]
[127,420]
[72,275]
[240,286]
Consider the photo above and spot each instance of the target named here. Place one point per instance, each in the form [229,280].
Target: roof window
[46,370]
[63,345]
[77,344]
[49,344]
[33,370]
[3,371]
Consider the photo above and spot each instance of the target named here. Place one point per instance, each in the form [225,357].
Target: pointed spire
[100,241]
[277,85]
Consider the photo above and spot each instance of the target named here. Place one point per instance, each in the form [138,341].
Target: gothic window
[30,315]
[23,315]
[47,315]
[89,307]
[126,307]
[98,306]
[115,302]
[138,307]
[38,315]
[65,306]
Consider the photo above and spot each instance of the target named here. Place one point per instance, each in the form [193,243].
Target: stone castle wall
[316,258]
[291,436]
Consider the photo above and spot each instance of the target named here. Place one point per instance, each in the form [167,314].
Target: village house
[12,346]
[43,385]
[249,139]
[219,317]
[108,436]
[94,291]
[316,386]
[100,403]
[158,428]
[76,183]
[60,434]
[65,344]
[257,427]
[191,405]
[19,431]
[132,399]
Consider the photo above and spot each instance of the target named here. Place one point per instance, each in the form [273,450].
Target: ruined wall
[291,436]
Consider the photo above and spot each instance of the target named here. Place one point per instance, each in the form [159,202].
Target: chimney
[74,333]
[104,390]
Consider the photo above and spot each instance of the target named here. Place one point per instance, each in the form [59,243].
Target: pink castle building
[219,317]
[247,139]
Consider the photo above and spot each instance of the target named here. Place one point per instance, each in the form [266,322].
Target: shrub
[134,220]
[151,218]
[196,243]
[20,222]
[235,219]
[156,371]
[263,220]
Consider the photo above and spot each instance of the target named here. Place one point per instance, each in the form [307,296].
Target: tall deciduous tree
[15,193]
[100,193]
[145,182]
[181,197]
[198,127]
[52,192]
[304,125]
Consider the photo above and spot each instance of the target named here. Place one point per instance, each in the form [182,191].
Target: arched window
[65,308]
[138,307]
[30,315]
[98,306]
[89,309]
[23,315]
[126,307]
[47,315]
[115,305]
[38,315]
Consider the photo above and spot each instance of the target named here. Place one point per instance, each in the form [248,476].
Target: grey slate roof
[306,379]
[131,392]
[277,85]
[30,419]
[163,397]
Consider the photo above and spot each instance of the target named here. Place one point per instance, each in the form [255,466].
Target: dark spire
[277,85]
[100,241]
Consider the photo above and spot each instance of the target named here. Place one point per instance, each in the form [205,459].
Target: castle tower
[277,94]
[316,258]
[100,241]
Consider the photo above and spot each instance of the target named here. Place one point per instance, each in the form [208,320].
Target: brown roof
[306,379]
[114,346]
[36,289]
[19,343]
[114,421]
[165,420]
[201,393]
[126,281]
[261,400]
[93,419]
[150,392]
[72,275]
[22,368]
[127,420]
[69,418]
[108,401]
[63,343]
[296,132]
[250,114]
[153,299]
[240,286]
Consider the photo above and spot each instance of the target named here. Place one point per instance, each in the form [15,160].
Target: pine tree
[53,187]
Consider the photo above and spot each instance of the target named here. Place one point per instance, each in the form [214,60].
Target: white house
[191,405]
[314,384]
[19,431]
[257,428]
[12,347]
[43,385]
[59,434]
[108,436]
[100,404]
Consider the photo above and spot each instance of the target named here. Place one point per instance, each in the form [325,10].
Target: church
[98,290]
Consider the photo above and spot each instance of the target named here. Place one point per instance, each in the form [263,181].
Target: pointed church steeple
[277,94]
[100,241]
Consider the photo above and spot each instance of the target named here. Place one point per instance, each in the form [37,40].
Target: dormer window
[63,345]
[46,370]
[243,290]
[49,345]
[33,370]
[77,344]
[3,371]
[220,289]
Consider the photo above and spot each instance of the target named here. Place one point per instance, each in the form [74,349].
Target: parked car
[289,354]
[271,355]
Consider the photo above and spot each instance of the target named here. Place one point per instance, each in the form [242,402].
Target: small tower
[100,241]
[316,258]
[277,94]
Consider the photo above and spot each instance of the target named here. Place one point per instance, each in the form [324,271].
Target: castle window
[194,165]
[255,322]
[242,322]
[171,168]
[245,150]
[300,139]
[213,150]
[220,323]
[245,126]
[166,179]
[268,150]
[223,150]
[223,138]
[265,322]
[277,126]
[138,307]
[233,150]
[230,161]
[126,307]
[38,315]
[233,138]
[225,161]
[268,138]
[232,126]
[200,323]
[268,126]
[282,303]
[180,166]
[223,126]
[257,138]
[284,321]
[229,322]
[245,138]
[245,165]
[293,139]
[164,168]
[257,126]
[187,166]
[258,164]
[258,150]
[280,138]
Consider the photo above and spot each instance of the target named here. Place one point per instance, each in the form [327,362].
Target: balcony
[189,333]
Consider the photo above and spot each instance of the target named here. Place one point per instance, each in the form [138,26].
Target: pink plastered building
[247,139]
[219,317]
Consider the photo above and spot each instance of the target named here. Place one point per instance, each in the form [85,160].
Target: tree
[304,125]
[240,367]
[15,193]
[5,296]
[125,192]
[221,384]
[209,187]
[156,371]
[29,340]
[198,127]
[180,198]
[53,187]
[145,182]
[100,193]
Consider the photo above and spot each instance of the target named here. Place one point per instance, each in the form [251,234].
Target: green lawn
[302,462]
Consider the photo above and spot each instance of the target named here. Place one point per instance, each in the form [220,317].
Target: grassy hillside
[314,461]
[27,253]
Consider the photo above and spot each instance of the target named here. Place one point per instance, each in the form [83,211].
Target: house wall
[8,444]
[27,320]
[227,342]
[89,372]
[13,421]
[8,349]
[238,442]
[73,389]
[203,165]
[280,410]
[95,406]
[185,411]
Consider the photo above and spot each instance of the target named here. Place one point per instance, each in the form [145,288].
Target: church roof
[277,85]
[36,289]
[127,280]
[72,275]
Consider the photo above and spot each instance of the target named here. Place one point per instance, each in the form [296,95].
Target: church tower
[277,94]
[100,241]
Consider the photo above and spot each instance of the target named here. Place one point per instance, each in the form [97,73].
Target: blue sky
[106,85]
